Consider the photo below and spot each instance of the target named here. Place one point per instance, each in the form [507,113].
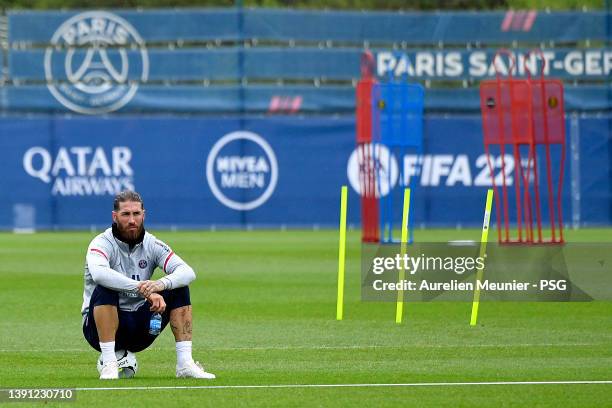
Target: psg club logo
[142,264]
[95,62]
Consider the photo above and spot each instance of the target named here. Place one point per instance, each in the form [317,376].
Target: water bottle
[155,324]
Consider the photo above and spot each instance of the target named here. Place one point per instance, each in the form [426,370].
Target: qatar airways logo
[81,170]
[95,62]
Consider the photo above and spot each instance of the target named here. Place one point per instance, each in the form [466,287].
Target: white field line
[345,347]
[431,384]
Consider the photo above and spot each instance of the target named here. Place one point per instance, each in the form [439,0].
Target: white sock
[108,351]
[183,353]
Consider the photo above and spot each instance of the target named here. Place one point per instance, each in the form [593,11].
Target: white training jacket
[111,263]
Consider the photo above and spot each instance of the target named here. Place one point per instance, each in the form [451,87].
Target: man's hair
[125,196]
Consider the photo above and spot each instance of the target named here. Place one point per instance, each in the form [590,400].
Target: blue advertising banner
[152,25]
[308,25]
[268,98]
[296,63]
[286,61]
[62,172]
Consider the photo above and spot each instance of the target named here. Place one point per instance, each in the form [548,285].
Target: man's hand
[146,288]
[158,304]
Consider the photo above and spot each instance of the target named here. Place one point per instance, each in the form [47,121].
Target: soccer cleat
[110,371]
[193,369]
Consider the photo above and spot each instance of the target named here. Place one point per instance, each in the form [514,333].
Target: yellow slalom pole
[483,251]
[341,254]
[399,310]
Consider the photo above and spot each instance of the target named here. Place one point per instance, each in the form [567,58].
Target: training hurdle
[389,123]
[365,149]
[523,119]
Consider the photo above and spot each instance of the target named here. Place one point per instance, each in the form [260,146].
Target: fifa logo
[383,165]
[95,62]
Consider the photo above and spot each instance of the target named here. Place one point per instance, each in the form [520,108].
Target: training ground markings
[430,384]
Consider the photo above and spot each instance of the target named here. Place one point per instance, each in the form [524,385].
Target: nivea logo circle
[242,170]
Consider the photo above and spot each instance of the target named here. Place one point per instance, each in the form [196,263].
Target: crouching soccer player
[119,299]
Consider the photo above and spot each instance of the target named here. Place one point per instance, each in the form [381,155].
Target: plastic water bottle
[155,324]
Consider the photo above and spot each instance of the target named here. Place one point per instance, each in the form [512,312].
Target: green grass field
[264,305]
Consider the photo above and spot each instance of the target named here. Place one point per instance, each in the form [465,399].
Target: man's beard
[129,235]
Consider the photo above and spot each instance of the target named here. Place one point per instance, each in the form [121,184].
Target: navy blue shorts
[133,333]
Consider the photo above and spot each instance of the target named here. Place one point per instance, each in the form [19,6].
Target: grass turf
[264,306]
